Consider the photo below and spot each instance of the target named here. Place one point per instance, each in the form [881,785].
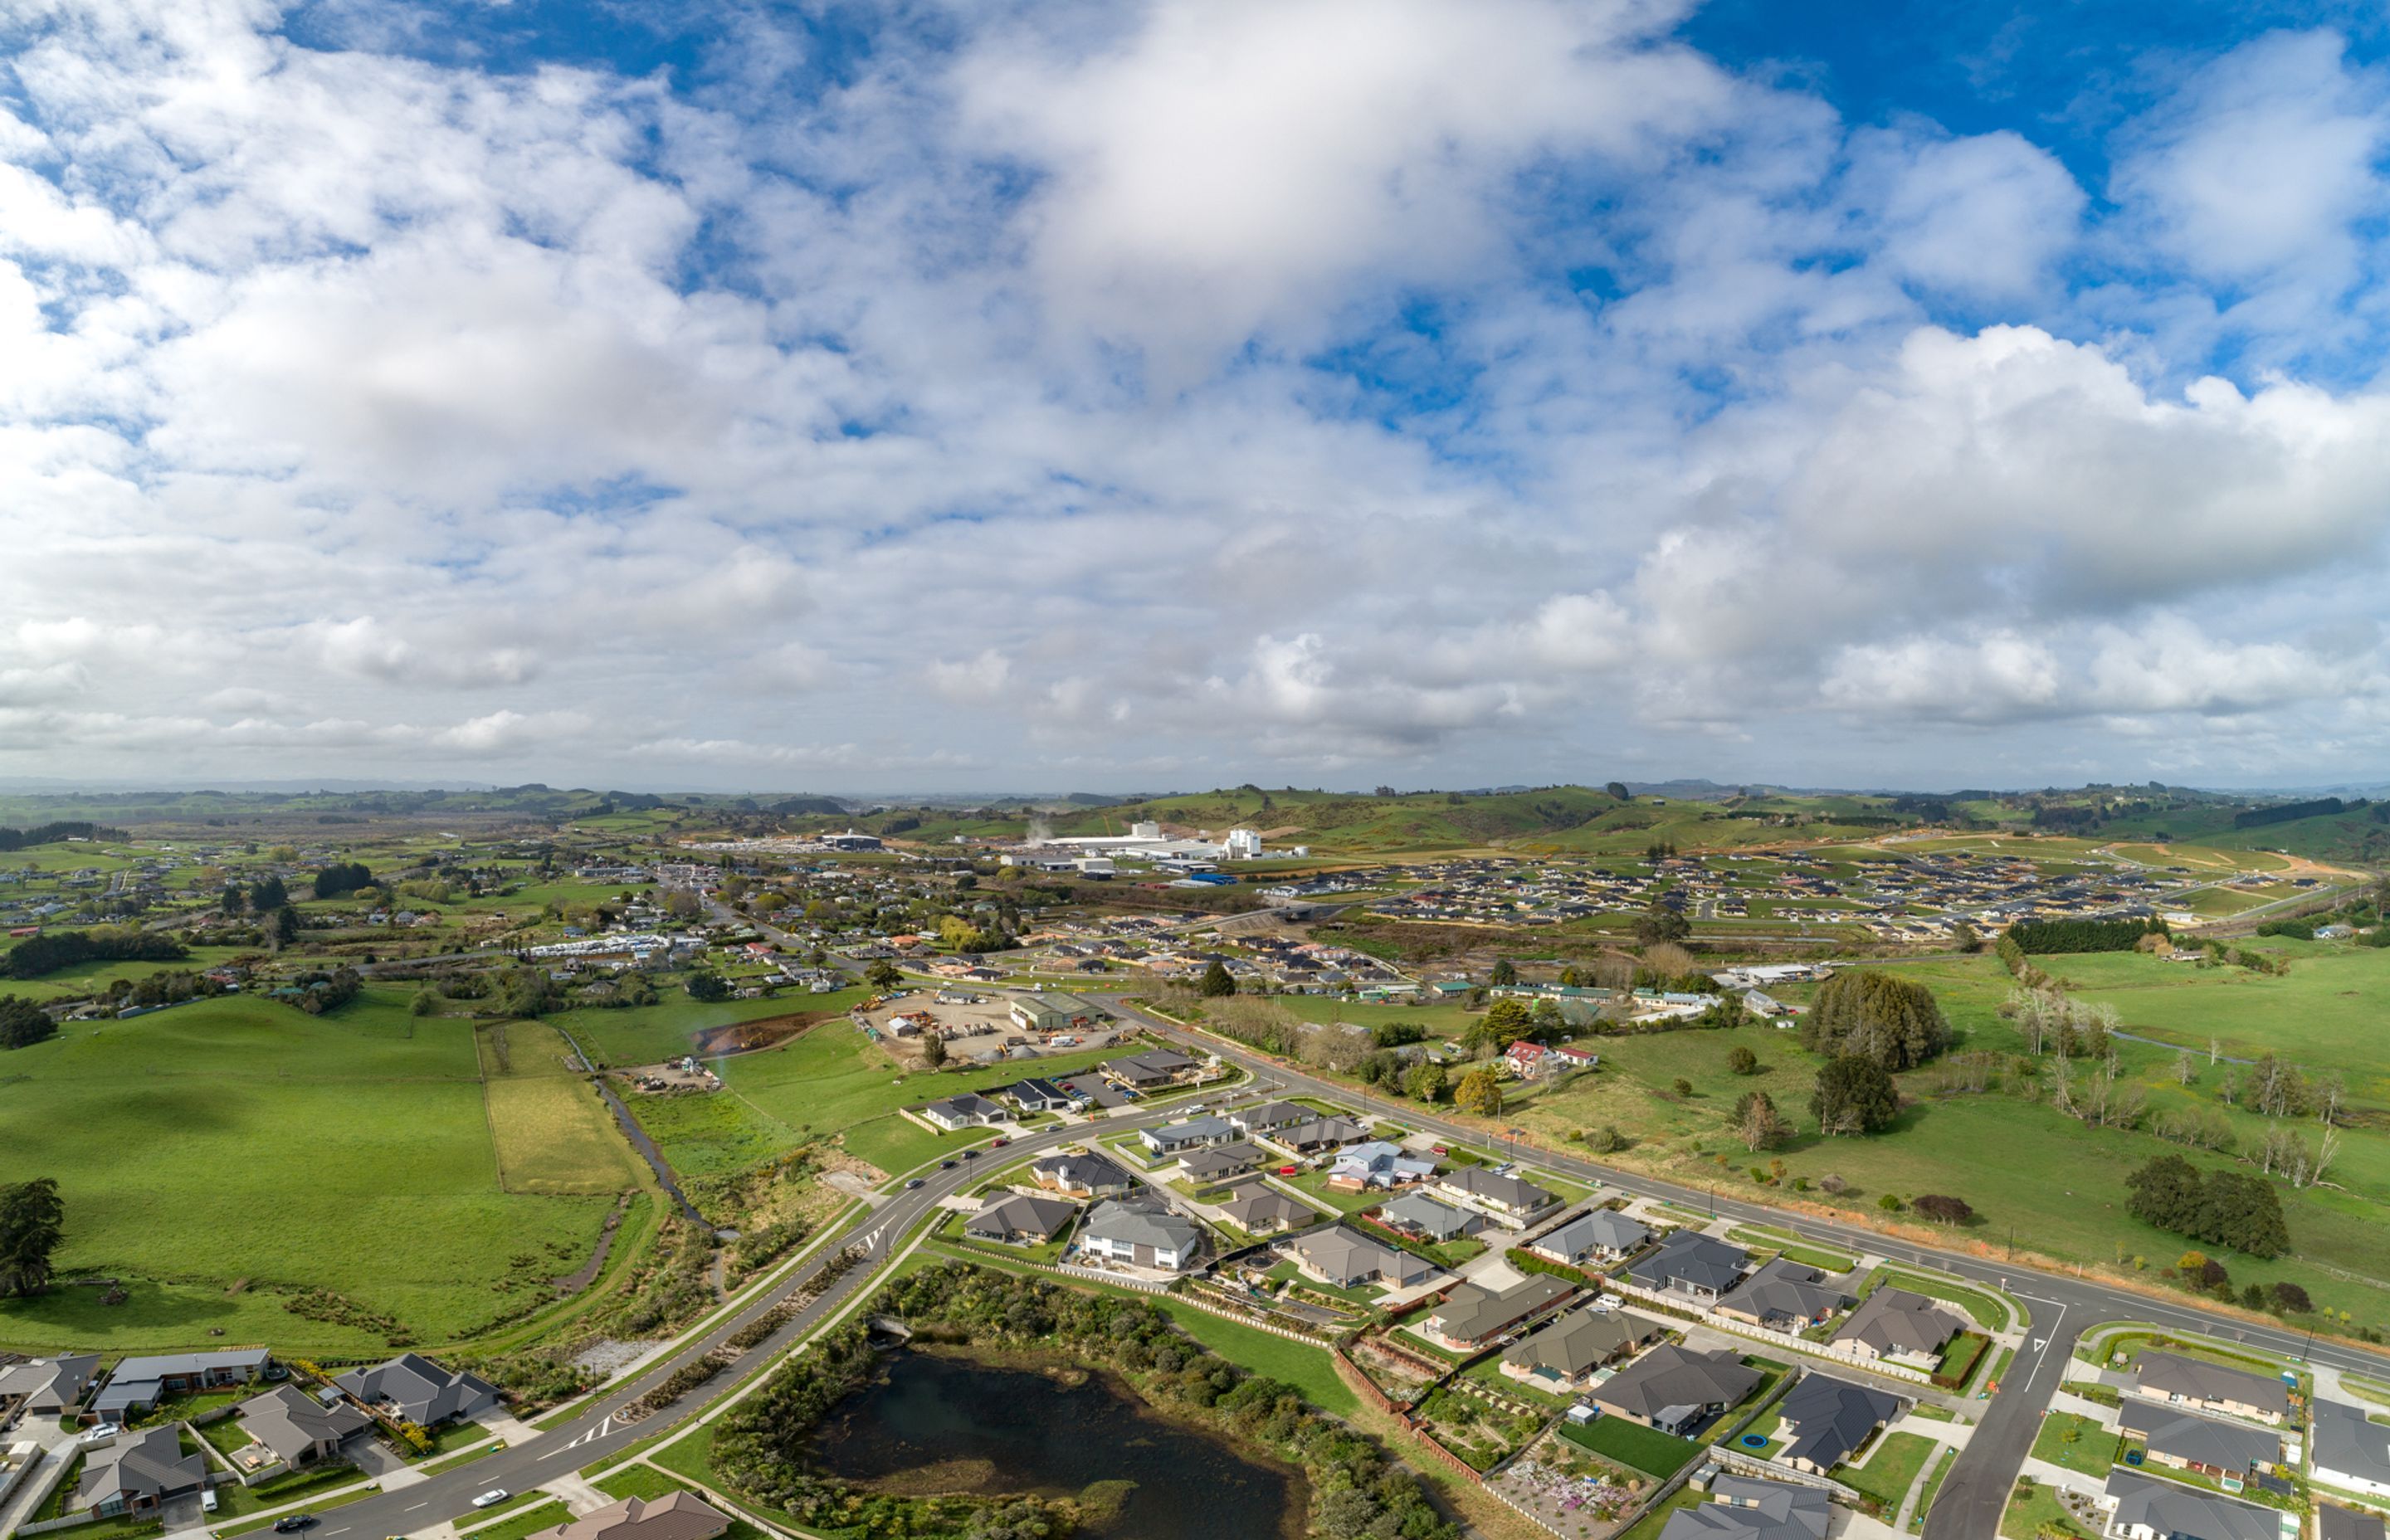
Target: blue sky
[1115,395]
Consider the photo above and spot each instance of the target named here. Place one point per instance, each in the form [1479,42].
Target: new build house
[1741,1507]
[1700,1268]
[1604,1235]
[1082,1175]
[1783,1295]
[1473,1314]
[139,1383]
[1676,1389]
[134,1474]
[2149,1507]
[1345,1259]
[2195,1382]
[47,1387]
[1896,1326]
[416,1390]
[297,1428]
[1507,1199]
[2187,1440]
[1563,1357]
[967,1111]
[1142,1231]
[1177,1138]
[1020,1220]
[2350,1449]
[1826,1420]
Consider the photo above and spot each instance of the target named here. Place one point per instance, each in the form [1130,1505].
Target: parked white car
[491,1499]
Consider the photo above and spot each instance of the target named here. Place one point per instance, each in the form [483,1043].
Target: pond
[938,1422]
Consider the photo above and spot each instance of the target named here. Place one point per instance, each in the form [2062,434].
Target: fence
[1368,1389]
[1677,1305]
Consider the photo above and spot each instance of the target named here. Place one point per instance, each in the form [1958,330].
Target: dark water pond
[940,1422]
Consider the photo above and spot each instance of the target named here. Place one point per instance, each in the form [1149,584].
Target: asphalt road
[882,1232]
[2061,1305]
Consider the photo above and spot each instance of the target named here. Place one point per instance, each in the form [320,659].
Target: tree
[286,925]
[1424,1081]
[427,1000]
[1505,974]
[1944,1209]
[2237,1209]
[267,894]
[2292,1299]
[1855,1094]
[1742,1060]
[933,1051]
[2253,1296]
[23,1023]
[232,901]
[706,984]
[1480,1093]
[883,975]
[1618,789]
[1757,1123]
[1966,937]
[339,882]
[1216,983]
[33,1220]
[1658,923]
[1891,1021]
[1888,1203]
[1505,1023]
[1605,1140]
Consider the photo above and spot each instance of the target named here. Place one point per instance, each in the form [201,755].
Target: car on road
[999,1143]
[971,1154]
[911,1185]
[291,1524]
[493,1497]
[946,1165]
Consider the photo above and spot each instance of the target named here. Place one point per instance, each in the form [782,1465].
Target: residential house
[1377,1165]
[1149,1070]
[1561,1359]
[1473,1314]
[1506,1198]
[139,1383]
[299,1429]
[1020,1220]
[1741,1507]
[1258,1209]
[1219,1161]
[2207,1446]
[2196,1382]
[1343,1258]
[1676,1389]
[47,1387]
[1826,1420]
[1699,1268]
[1896,1326]
[1603,1235]
[2333,1523]
[2350,1450]
[1528,1061]
[2149,1507]
[416,1390]
[1571,1056]
[1172,1139]
[1082,1175]
[967,1111]
[1415,1213]
[1326,1132]
[1271,1116]
[675,1516]
[1143,1231]
[1037,1095]
[134,1474]
[1783,1295]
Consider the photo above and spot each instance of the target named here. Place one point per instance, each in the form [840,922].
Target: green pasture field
[69,983]
[215,1153]
[831,1081]
[648,1034]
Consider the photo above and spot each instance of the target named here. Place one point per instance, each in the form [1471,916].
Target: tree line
[50,834]
[47,954]
[2259,817]
[2082,935]
[23,1023]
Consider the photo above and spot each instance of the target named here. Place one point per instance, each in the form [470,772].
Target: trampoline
[1752,1441]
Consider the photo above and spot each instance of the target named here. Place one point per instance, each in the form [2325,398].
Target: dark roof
[2186,1513]
[1502,1190]
[1744,1509]
[1578,1340]
[425,1393]
[1084,1172]
[1672,1375]
[1893,1320]
[146,1464]
[1832,1417]
[2348,1441]
[2200,1440]
[1693,1257]
[290,1422]
[1022,1214]
[1784,1288]
[2343,1523]
[1472,1313]
[2196,1380]
[1605,1228]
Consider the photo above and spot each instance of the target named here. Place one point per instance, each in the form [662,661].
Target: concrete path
[1916,1491]
[399,1480]
[510,1431]
[579,1496]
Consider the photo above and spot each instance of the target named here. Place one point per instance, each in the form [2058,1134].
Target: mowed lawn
[2060,1184]
[211,1153]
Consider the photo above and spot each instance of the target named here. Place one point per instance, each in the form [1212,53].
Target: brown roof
[680,1516]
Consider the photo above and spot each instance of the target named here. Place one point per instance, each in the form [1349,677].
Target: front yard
[2076,1443]
[1890,1470]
